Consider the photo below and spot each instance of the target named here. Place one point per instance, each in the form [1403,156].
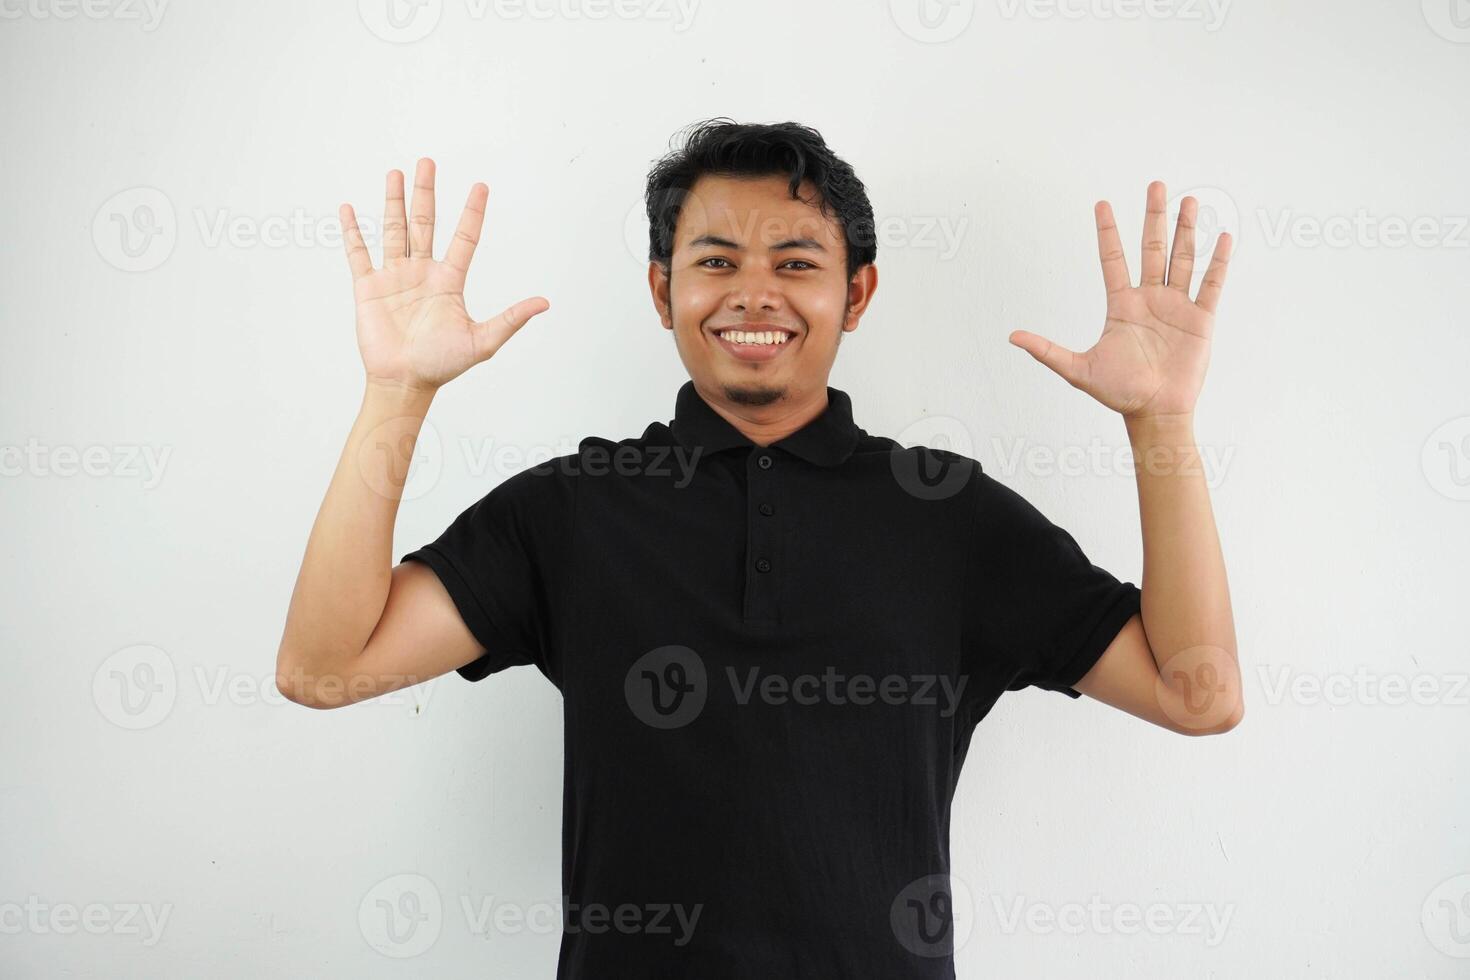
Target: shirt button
[767,509]
[764,461]
[762,565]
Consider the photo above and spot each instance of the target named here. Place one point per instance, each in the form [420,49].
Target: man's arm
[1175,664]
[358,627]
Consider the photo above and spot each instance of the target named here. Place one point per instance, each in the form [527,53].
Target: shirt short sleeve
[1040,614]
[503,561]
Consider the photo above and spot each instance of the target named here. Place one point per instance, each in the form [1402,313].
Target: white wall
[1330,830]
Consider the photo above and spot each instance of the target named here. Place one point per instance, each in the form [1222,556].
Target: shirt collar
[826,440]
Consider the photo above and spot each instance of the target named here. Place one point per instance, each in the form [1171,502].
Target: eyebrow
[715,241]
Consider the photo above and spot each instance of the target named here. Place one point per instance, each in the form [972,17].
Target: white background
[152,310]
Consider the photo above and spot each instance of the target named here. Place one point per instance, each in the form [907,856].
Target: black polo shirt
[771,662]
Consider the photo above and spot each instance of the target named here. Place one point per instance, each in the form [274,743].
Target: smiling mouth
[772,337]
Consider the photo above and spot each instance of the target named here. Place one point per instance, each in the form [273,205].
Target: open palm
[412,326]
[1155,344]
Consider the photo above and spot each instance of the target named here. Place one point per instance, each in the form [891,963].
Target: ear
[658,287]
[859,294]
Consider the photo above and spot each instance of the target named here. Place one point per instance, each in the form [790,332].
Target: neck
[773,421]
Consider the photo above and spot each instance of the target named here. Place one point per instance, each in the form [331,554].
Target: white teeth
[762,337]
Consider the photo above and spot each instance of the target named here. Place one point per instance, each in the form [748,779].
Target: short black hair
[723,147]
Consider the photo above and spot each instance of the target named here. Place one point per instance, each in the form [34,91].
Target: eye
[712,258]
[801,262]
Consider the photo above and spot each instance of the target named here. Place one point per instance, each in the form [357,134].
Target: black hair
[723,147]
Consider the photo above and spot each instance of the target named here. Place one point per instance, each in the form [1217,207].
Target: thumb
[1064,362]
[494,332]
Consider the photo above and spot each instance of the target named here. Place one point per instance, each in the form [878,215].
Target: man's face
[748,257]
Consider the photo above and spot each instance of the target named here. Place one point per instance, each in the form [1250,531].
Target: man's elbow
[1228,723]
[293,682]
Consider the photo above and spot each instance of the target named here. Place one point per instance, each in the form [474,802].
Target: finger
[358,259]
[1069,364]
[1181,260]
[1110,249]
[467,234]
[1214,281]
[492,333]
[1155,236]
[395,227]
[421,223]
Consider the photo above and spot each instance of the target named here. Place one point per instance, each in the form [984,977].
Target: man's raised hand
[1150,360]
[412,326]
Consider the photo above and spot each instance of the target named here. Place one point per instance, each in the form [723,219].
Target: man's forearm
[342,587]
[1186,599]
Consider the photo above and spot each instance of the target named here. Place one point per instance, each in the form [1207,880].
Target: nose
[754,288]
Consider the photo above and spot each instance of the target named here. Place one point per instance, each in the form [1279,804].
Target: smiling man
[772,660]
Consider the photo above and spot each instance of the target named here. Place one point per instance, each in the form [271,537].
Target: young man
[773,632]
